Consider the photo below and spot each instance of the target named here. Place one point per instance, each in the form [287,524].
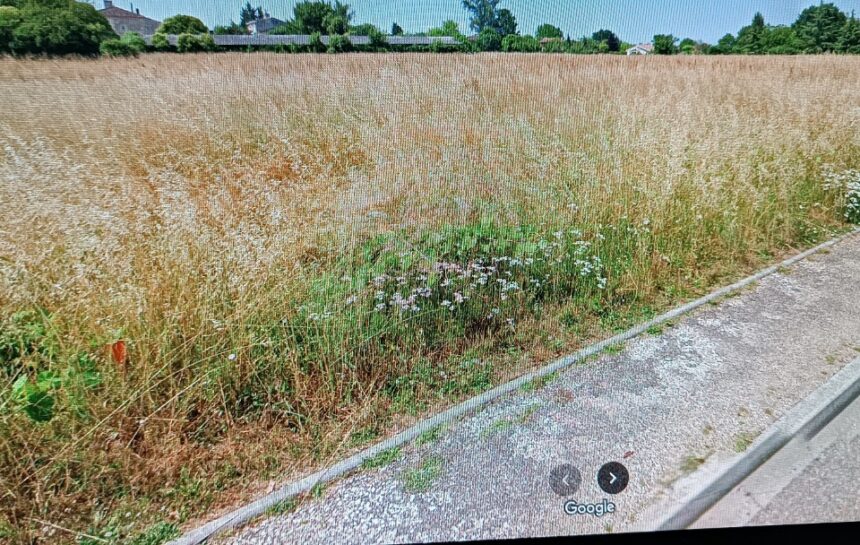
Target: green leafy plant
[382,459]
[187,43]
[489,40]
[135,41]
[156,534]
[160,42]
[117,48]
[421,478]
[182,24]
[316,44]
[338,44]
[36,397]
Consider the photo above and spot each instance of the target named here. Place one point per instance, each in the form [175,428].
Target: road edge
[805,419]
[258,507]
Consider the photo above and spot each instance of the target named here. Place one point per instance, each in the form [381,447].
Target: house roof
[114,12]
[643,47]
[272,20]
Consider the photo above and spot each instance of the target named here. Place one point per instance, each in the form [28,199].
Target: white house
[641,49]
[263,25]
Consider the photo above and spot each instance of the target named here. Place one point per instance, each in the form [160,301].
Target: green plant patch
[743,441]
[382,459]
[430,436]
[420,479]
[539,382]
[156,535]
[363,436]
[691,463]
[283,507]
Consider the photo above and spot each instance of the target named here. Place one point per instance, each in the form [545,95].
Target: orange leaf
[118,352]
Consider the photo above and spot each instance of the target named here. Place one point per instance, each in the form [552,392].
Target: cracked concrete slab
[698,391]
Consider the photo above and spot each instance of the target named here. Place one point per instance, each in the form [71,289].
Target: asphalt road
[809,480]
[666,406]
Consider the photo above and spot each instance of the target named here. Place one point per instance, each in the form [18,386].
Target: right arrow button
[613,477]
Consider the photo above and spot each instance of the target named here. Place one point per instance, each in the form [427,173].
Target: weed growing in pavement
[382,459]
[420,479]
[743,441]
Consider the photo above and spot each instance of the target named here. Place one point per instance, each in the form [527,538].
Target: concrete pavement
[811,479]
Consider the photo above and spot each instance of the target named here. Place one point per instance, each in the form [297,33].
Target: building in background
[263,25]
[641,49]
[130,20]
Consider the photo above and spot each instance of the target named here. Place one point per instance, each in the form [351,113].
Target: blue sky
[632,20]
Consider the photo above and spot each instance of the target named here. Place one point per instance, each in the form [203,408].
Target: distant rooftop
[112,11]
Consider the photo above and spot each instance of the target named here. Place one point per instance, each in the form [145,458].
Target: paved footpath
[700,391]
[809,480]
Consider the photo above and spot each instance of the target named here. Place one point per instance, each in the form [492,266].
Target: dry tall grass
[191,204]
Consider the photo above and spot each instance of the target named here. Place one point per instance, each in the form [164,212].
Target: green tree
[687,46]
[781,40]
[849,41]
[547,30]
[231,29]
[182,24]
[115,48]
[316,45]
[160,42]
[315,16]
[489,40]
[363,29]
[506,23]
[664,44]
[558,46]
[131,44]
[521,44]
[309,17]
[484,14]
[725,45]
[336,24]
[189,43]
[135,41]
[53,27]
[612,41]
[448,28]
[338,44]
[10,18]
[396,30]
[819,28]
[378,40]
[752,38]
[249,13]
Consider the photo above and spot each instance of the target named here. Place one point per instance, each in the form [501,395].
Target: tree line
[59,27]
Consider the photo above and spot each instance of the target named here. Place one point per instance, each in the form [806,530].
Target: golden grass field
[234,218]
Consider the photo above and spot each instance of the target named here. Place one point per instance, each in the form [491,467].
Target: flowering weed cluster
[485,277]
[425,292]
[847,182]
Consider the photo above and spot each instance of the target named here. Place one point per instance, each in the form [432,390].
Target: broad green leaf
[40,406]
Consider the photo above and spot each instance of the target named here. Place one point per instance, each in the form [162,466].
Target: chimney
[108,4]
[137,11]
[131,7]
